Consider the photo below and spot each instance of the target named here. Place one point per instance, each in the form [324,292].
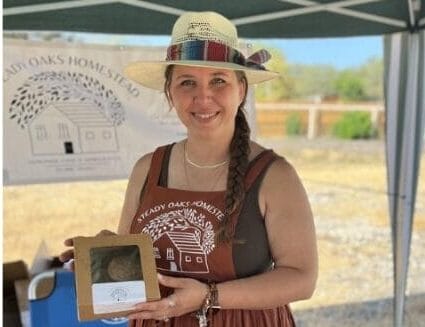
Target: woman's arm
[291,234]
[132,194]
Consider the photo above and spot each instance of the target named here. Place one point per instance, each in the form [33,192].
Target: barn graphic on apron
[185,238]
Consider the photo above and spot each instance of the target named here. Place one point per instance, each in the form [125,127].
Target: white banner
[70,114]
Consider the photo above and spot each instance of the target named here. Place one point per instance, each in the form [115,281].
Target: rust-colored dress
[182,225]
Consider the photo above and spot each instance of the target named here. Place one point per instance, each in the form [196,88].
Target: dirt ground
[346,183]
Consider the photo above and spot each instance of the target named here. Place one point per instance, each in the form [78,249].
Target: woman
[232,227]
[235,213]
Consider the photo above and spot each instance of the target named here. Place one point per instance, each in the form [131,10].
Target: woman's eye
[187,82]
[218,81]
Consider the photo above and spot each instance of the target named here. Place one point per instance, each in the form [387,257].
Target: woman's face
[206,99]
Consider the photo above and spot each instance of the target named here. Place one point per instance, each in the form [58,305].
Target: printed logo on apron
[183,235]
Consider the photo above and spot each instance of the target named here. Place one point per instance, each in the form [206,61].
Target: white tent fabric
[405,101]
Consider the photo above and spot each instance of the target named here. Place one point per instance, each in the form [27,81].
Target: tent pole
[404,141]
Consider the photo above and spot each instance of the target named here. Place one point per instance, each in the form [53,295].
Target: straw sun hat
[202,39]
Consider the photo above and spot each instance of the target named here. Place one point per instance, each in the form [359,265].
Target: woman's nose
[202,94]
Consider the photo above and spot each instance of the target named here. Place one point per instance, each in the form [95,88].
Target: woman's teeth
[205,116]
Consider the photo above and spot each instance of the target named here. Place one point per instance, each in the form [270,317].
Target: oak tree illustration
[49,87]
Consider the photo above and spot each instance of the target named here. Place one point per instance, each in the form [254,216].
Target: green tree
[349,86]
[372,76]
[313,80]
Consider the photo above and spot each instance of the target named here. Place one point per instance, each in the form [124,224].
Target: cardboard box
[113,273]
[13,272]
[21,290]
[16,278]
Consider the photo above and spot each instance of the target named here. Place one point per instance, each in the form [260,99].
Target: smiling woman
[232,227]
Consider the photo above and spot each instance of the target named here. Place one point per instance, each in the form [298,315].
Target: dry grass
[53,212]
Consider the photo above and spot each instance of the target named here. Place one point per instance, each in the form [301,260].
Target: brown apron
[182,225]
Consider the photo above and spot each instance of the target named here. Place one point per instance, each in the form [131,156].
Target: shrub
[293,125]
[354,125]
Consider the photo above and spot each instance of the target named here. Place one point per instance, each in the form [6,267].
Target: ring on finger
[171,301]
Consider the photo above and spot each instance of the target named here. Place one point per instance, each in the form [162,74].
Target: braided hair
[239,159]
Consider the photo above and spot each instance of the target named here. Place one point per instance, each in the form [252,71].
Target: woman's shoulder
[279,170]
[257,149]
[140,170]
[282,181]
[143,162]
[142,165]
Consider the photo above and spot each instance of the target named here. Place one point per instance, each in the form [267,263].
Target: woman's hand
[189,295]
[68,255]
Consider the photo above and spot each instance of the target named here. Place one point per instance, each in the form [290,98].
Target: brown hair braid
[239,159]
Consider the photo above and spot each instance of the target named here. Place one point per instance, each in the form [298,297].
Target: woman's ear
[243,91]
[169,99]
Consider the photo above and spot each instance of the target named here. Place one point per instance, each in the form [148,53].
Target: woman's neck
[207,151]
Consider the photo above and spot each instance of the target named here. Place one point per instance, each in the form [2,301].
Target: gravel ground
[362,280]
[355,285]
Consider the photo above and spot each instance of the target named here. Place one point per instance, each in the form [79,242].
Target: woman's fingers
[69,265]
[69,242]
[105,232]
[66,255]
[188,296]
[163,304]
[69,254]
[171,282]
[158,310]
[149,315]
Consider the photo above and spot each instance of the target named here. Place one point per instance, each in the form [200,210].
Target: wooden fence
[317,119]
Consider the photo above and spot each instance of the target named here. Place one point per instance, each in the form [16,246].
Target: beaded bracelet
[214,295]
[211,301]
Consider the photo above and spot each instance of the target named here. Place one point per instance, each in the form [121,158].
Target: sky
[341,53]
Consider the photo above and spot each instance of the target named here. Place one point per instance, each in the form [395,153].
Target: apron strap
[156,167]
[257,166]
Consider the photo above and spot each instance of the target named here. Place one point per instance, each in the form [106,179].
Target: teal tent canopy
[262,19]
[401,21]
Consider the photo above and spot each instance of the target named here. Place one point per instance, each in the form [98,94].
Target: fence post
[374,114]
[313,118]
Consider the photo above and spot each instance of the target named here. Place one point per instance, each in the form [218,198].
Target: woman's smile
[205,117]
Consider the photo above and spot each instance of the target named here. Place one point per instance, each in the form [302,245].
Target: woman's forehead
[195,71]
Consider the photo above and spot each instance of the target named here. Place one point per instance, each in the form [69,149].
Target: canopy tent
[402,21]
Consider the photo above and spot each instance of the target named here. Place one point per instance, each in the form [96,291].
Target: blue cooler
[59,307]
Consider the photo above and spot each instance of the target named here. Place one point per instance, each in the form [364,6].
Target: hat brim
[151,73]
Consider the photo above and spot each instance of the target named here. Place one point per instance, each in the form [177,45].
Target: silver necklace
[186,157]
[217,178]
